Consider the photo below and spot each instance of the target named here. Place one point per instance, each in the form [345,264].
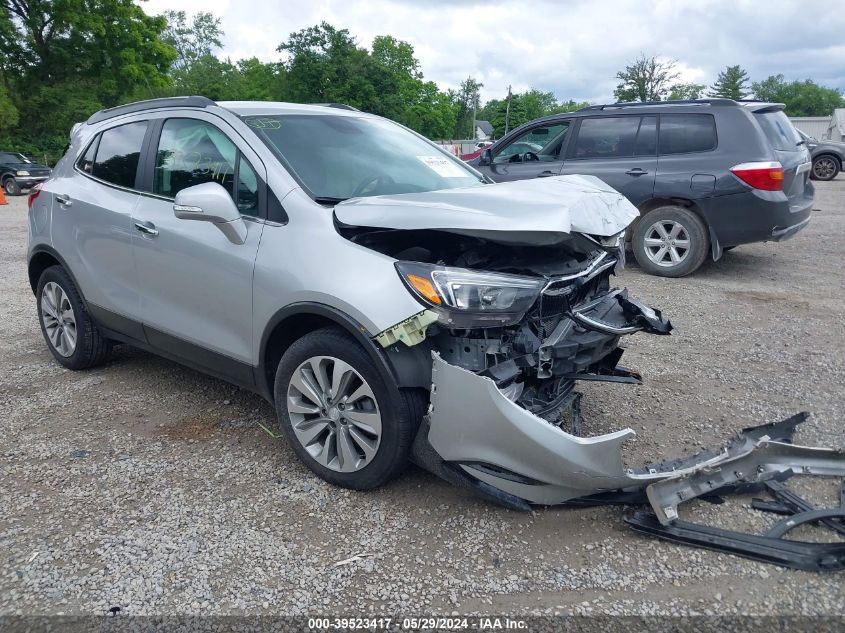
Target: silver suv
[389,300]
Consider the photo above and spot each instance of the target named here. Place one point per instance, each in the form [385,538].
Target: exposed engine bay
[570,331]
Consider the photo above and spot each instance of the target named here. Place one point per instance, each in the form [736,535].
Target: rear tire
[10,186]
[825,168]
[670,241]
[355,443]
[70,332]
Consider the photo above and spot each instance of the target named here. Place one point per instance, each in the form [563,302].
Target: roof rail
[637,104]
[339,106]
[138,106]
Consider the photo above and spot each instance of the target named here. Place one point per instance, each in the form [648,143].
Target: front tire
[11,187]
[71,334]
[825,168]
[348,426]
[670,241]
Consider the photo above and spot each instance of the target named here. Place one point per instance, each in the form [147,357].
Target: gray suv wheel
[670,241]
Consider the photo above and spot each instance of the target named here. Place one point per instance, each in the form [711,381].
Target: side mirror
[209,202]
[486,157]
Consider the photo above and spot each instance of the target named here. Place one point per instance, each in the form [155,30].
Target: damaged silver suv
[390,301]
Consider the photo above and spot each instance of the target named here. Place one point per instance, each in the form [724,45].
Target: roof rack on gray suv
[150,104]
[638,104]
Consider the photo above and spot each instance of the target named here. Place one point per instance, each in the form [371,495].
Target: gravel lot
[146,485]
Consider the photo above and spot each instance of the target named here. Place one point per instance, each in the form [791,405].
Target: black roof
[485,126]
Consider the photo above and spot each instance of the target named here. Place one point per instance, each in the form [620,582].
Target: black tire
[10,186]
[92,347]
[400,409]
[825,167]
[699,241]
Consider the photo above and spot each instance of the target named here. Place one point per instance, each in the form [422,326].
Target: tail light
[763,175]
[33,195]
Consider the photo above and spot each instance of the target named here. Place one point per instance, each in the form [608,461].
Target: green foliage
[8,111]
[525,107]
[802,98]
[732,83]
[686,91]
[645,79]
[64,59]
[193,41]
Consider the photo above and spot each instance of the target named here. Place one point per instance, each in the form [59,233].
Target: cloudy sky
[572,48]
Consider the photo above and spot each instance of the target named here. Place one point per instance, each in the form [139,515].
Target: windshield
[340,157]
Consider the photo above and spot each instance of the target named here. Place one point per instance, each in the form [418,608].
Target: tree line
[61,60]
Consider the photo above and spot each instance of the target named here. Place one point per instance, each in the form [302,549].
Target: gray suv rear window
[118,153]
[685,133]
[779,130]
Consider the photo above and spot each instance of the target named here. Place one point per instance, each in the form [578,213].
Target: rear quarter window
[779,130]
[118,154]
[686,133]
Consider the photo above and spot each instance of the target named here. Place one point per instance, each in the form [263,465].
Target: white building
[836,127]
[830,128]
[815,126]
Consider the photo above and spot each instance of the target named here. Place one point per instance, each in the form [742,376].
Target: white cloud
[573,49]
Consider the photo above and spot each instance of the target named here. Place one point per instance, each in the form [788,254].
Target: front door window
[541,143]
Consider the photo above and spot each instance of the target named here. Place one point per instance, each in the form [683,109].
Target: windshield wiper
[328,200]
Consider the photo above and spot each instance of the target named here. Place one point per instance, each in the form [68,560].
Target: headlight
[21,173]
[468,298]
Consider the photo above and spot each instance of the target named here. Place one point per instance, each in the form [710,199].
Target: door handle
[64,200]
[637,171]
[546,174]
[147,228]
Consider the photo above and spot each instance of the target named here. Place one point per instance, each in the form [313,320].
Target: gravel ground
[148,486]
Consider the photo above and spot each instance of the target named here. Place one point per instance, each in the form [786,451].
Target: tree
[64,59]
[201,38]
[732,83]
[467,102]
[685,91]
[645,79]
[802,98]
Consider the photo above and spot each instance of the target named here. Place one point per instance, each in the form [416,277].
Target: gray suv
[705,175]
[387,299]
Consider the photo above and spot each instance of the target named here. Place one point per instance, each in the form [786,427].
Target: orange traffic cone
[2,197]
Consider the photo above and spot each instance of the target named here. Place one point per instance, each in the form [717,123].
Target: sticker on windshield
[442,166]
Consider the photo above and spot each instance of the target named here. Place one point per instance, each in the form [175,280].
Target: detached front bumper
[476,436]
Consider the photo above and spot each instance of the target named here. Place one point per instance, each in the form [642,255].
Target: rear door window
[647,137]
[686,133]
[118,154]
[779,130]
[607,137]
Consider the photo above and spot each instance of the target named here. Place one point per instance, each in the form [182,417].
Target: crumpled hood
[541,211]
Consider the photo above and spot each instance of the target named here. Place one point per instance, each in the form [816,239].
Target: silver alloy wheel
[334,413]
[667,243]
[824,168]
[58,318]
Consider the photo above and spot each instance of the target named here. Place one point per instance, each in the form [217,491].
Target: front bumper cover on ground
[476,431]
